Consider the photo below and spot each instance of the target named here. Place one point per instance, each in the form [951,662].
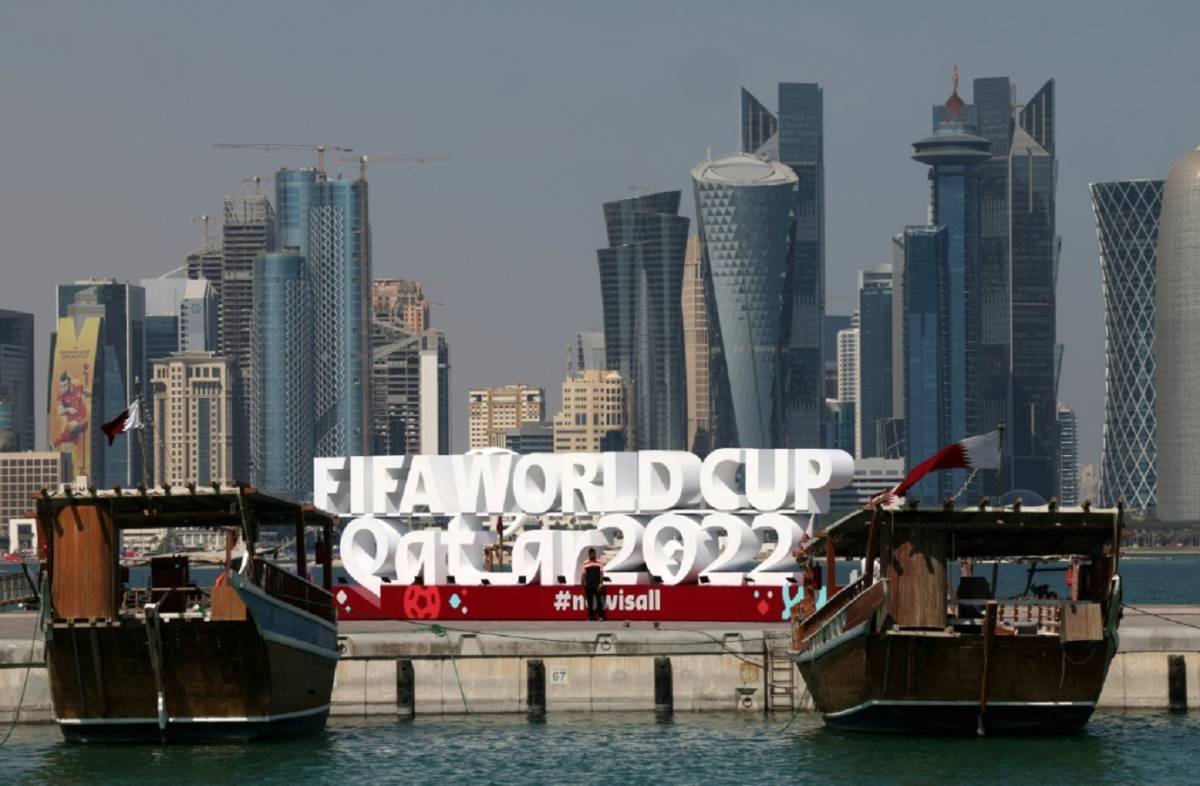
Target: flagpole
[137,387]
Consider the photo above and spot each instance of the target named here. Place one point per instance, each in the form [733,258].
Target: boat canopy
[986,533]
[218,505]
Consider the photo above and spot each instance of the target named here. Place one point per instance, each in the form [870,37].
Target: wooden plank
[84,579]
[1081,622]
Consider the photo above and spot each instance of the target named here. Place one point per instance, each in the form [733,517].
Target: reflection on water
[625,749]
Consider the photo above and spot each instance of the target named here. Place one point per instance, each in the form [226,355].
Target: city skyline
[703,93]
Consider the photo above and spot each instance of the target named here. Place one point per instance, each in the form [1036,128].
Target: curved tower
[1127,214]
[1177,342]
[744,206]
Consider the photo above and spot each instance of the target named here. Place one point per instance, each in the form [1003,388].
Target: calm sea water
[625,749]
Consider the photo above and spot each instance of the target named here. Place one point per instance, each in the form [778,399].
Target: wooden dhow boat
[252,657]
[898,651]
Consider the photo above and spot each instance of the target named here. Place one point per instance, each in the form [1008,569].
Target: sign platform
[653,602]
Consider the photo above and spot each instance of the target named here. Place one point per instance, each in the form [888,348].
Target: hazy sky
[108,114]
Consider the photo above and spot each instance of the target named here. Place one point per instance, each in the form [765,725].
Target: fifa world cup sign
[677,519]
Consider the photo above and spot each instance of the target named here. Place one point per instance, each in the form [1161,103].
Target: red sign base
[533,602]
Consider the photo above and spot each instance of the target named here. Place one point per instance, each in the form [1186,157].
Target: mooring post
[406,689]
[1176,683]
[664,691]
[535,681]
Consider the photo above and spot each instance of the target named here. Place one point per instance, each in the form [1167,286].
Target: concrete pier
[403,669]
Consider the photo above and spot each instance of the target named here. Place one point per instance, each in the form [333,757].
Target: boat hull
[192,730]
[962,718]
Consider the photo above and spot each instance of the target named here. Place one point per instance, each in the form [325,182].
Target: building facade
[193,406]
[696,351]
[847,360]
[22,473]
[282,443]
[530,438]
[16,378]
[872,477]
[400,303]
[1068,456]
[874,359]
[641,282]
[1127,218]
[1177,342]
[198,317]
[796,138]
[122,308]
[1018,262]
[745,207]
[594,415]
[493,412]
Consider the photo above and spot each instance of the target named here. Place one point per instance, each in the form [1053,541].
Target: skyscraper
[874,403]
[193,406]
[123,309]
[1018,266]
[198,330]
[16,375]
[492,412]
[1127,219]
[796,138]
[847,356]
[926,353]
[696,351]
[641,280]
[247,231]
[405,365]
[1068,456]
[745,207]
[953,153]
[1177,342]
[281,415]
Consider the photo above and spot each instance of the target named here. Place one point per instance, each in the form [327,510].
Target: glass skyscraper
[953,153]
[16,376]
[641,282]
[1127,213]
[1177,342]
[281,417]
[795,137]
[123,308]
[926,353]
[874,402]
[746,208]
[1018,264]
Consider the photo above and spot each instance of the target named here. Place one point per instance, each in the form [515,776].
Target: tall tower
[953,153]
[745,207]
[641,280]
[1018,271]
[1127,221]
[16,377]
[1177,341]
[874,359]
[796,138]
[696,351]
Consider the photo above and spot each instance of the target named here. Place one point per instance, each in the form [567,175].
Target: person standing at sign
[592,578]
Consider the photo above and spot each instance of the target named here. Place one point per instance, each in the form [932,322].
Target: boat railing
[805,627]
[292,589]
[1043,614]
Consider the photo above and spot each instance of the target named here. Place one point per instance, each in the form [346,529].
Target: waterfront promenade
[429,669]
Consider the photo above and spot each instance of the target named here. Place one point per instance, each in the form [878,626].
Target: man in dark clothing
[592,579]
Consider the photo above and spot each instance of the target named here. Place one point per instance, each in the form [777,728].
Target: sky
[109,112]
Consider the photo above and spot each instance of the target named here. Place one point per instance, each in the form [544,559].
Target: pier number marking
[559,676]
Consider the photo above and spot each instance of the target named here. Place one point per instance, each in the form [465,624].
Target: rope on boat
[438,630]
[28,665]
[1162,617]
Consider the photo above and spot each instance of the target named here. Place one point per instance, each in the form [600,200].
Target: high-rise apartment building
[696,351]
[1068,456]
[1018,267]
[954,153]
[410,373]
[193,408]
[796,138]
[22,473]
[847,359]
[122,307]
[926,354]
[493,412]
[1177,342]
[641,281]
[281,415]
[874,401]
[16,377]
[1127,219]
[745,207]
[594,415]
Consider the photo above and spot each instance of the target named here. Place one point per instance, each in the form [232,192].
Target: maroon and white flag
[978,452]
[131,418]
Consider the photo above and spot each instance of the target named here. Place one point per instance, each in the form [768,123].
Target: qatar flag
[131,418]
[978,452]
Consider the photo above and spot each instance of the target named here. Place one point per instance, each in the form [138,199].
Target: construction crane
[362,161]
[257,181]
[269,146]
[203,218]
